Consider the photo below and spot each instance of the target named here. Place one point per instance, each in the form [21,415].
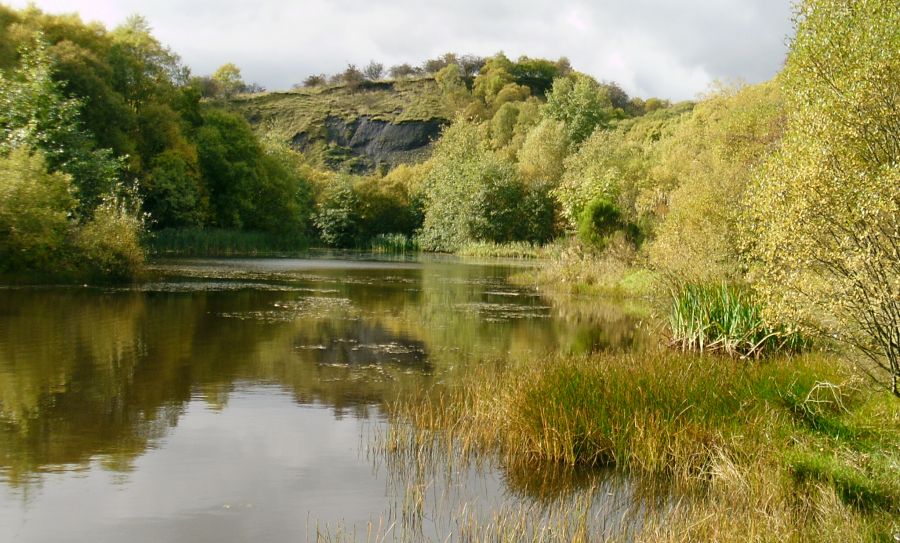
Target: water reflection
[94,380]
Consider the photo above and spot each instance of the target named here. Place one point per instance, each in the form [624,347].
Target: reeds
[512,249]
[726,318]
[223,242]
[734,440]
[393,244]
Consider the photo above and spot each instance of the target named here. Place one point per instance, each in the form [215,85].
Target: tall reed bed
[727,318]
[512,249]
[393,244]
[222,242]
[788,449]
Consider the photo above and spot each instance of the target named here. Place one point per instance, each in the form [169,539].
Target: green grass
[726,318]
[513,249]
[221,242]
[393,244]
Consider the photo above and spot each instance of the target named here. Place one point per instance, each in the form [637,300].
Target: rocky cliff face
[365,143]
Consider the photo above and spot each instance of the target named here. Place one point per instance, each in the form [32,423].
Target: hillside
[376,124]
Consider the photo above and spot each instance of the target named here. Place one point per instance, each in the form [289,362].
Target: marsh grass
[572,268]
[791,448]
[726,318]
[512,249]
[393,244]
[222,242]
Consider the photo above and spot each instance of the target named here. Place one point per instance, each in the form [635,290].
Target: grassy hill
[375,123]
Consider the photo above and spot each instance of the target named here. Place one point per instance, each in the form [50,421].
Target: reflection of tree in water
[86,372]
[361,344]
[70,384]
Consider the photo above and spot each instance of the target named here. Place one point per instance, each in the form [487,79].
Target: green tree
[142,68]
[535,73]
[229,156]
[173,195]
[581,103]
[543,153]
[503,125]
[493,76]
[703,170]
[453,87]
[229,80]
[473,195]
[34,113]
[337,216]
[825,211]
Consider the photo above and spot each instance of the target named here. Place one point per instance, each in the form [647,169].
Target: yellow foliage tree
[825,212]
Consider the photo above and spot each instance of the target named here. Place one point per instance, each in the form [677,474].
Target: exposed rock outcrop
[373,142]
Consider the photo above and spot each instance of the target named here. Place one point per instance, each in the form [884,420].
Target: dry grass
[794,449]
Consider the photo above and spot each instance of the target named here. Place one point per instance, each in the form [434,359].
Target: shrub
[599,219]
[110,244]
[34,213]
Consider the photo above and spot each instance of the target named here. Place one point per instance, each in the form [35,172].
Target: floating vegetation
[495,312]
[305,307]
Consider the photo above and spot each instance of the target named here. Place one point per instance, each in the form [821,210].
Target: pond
[236,400]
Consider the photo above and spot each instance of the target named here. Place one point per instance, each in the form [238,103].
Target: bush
[110,243]
[599,219]
[34,213]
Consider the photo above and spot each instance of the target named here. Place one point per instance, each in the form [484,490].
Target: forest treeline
[790,186]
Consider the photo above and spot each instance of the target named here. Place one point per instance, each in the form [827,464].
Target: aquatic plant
[393,244]
[726,318]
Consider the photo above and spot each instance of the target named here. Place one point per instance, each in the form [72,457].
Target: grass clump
[393,244]
[512,249]
[726,318]
[786,449]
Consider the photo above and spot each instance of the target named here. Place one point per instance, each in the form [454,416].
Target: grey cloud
[662,48]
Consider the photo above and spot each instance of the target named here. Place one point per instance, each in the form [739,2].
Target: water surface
[235,400]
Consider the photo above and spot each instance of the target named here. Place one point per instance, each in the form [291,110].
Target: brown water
[236,400]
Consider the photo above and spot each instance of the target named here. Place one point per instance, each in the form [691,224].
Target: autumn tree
[825,211]
[229,79]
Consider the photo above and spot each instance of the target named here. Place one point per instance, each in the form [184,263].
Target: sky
[666,48]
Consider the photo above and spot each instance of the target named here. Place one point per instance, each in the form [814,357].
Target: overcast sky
[667,48]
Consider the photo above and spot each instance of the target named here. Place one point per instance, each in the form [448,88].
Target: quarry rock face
[373,142]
